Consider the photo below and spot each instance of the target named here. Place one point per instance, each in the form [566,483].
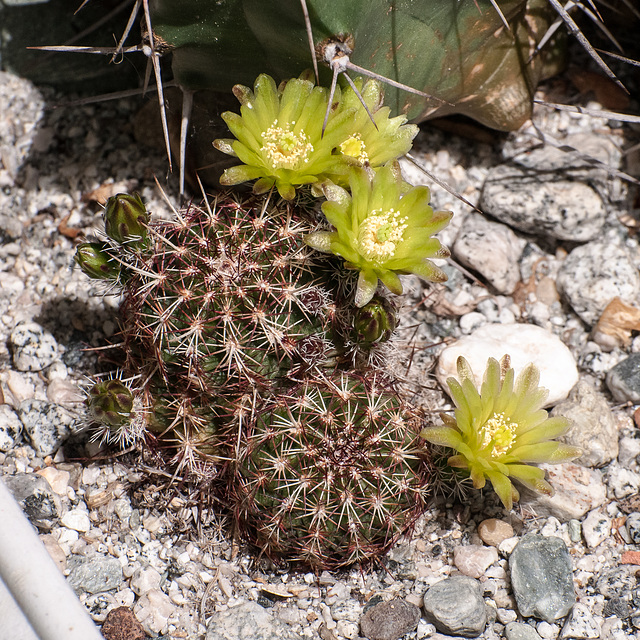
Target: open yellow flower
[279,137]
[380,231]
[500,428]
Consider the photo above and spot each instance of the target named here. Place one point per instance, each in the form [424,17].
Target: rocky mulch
[549,272]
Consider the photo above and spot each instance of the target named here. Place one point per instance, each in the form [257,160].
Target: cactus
[332,471]
[240,346]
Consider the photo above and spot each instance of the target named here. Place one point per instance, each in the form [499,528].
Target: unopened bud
[375,321]
[110,403]
[126,219]
[96,262]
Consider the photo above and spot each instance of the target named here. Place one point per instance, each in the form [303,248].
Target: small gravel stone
[623,380]
[589,283]
[10,428]
[455,606]
[95,574]
[62,391]
[622,482]
[493,531]
[580,624]
[596,528]
[473,560]
[46,424]
[389,620]
[491,249]
[143,580]
[593,427]
[76,519]
[58,479]
[33,493]
[633,527]
[121,624]
[541,577]
[520,631]
[32,347]
[562,209]
[524,344]
[248,620]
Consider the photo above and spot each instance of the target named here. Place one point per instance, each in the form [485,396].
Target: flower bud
[126,219]
[376,321]
[96,262]
[110,403]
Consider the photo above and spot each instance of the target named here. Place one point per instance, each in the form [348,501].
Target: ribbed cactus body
[331,471]
[232,296]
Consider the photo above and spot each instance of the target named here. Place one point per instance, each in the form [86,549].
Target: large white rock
[524,343]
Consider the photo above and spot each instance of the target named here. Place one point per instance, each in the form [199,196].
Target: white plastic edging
[35,582]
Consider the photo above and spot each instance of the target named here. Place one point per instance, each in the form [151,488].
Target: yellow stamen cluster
[380,234]
[284,148]
[355,147]
[500,431]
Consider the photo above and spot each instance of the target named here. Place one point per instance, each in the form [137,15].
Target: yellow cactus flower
[381,231]
[500,428]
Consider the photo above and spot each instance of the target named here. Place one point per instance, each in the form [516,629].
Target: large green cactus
[459,52]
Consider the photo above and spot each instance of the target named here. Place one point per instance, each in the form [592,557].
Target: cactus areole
[459,52]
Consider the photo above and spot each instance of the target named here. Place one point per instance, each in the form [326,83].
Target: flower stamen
[355,147]
[380,233]
[286,149]
[500,432]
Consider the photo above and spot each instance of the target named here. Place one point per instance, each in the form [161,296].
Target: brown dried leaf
[615,325]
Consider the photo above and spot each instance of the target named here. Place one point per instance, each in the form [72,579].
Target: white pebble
[77,520]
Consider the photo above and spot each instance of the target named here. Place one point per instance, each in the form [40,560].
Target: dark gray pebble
[389,620]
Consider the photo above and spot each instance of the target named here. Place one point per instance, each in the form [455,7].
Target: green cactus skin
[331,472]
[459,52]
[110,403]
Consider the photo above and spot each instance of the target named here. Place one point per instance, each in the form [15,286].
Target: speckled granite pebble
[10,428]
[623,380]
[46,424]
[33,348]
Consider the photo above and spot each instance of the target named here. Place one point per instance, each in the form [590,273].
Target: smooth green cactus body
[332,472]
[459,52]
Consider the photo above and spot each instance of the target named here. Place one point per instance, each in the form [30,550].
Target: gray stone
[589,283]
[389,620]
[541,577]
[32,347]
[623,380]
[491,249]
[596,528]
[520,631]
[33,493]
[633,527]
[455,606]
[46,424]
[580,624]
[95,574]
[525,344]
[593,427]
[534,203]
[10,428]
[248,621]
[616,582]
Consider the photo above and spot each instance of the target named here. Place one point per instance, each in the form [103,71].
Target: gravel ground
[125,541]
